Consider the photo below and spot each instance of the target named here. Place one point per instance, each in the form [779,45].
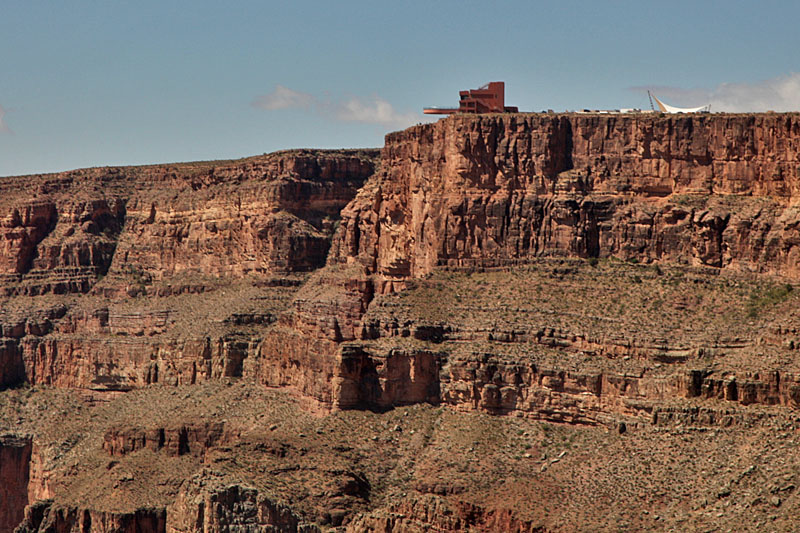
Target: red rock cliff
[15,458]
[177,264]
[713,190]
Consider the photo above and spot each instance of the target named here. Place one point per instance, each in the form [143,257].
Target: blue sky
[109,83]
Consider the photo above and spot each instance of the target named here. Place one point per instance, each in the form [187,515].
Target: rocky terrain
[516,322]
[107,272]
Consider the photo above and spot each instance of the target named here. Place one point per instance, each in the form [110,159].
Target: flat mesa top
[631,114]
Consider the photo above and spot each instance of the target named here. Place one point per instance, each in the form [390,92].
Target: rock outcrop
[15,458]
[174,441]
[263,214]
[137,241]
[44,516]
[215,508]
[501,191]
[432,513]
[712,190]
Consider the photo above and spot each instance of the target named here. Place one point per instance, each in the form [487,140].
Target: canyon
[504,322]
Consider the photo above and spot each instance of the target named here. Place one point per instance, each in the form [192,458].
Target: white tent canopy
[666,108]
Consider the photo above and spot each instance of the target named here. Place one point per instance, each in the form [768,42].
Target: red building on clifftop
[487,99]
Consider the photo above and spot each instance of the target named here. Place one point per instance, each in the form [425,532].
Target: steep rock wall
[44,516]
[468,193]
[15,458]
[186,438]
[265,214]
[714,190]
[421,513]
[233,508]
[147,248]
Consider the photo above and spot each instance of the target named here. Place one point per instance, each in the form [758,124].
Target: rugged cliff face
[140,245]
[262,214]
[711,193]
[714,190]
[15,458]
[44,516]
[461,325]
[215,507]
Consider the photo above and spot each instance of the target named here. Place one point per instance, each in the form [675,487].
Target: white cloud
[3,127]
[374,111]
[776,94]
[283,98]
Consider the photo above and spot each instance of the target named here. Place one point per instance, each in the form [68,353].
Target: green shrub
[771,297]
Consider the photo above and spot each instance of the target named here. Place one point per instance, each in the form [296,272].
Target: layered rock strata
[15,459]
[714,190]
[231,508]
[494,264]
[156,253]
[174,441]
[710,192]
[45,516]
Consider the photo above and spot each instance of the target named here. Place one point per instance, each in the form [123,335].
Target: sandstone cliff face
[216,508]
[470,193]
[714,190]
[303,350]
[263,214]
[15,458]
[160,234]
[228,223]
[186,438]
[44,516]
[432,513]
